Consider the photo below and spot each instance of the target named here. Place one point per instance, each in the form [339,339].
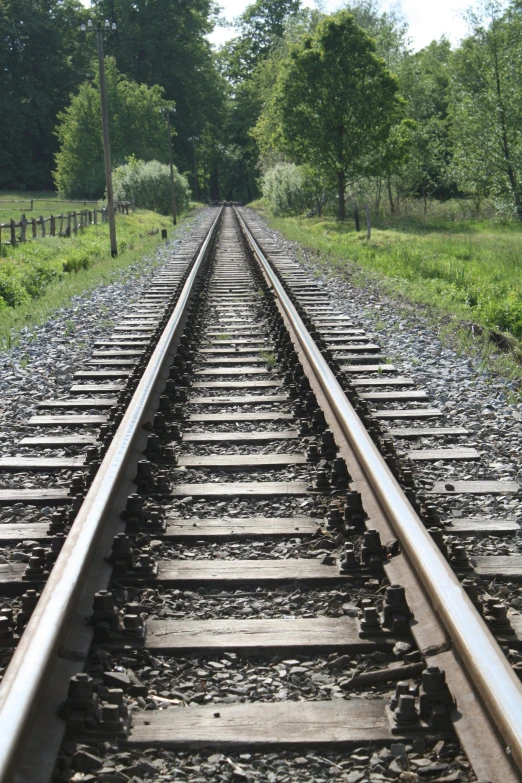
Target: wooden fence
[63,225]
[39,201]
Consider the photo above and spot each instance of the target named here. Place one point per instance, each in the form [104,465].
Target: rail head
[484,662]
[25,677]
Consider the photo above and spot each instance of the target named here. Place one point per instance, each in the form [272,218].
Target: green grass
[268,357]
[33,282]
[471,269]
[45,203]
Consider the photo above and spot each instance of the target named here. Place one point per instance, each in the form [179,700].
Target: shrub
[36,277]
[290,189]
[136,127]
[77,261]
[282,187]
[148,185]
[12,290]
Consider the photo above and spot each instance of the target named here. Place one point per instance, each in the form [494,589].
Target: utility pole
[105,127]
[169,133]
[194,140]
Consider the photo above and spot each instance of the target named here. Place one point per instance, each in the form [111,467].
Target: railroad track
[235,566]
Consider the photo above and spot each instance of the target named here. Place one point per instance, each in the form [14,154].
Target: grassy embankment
[468,270]
[40,276]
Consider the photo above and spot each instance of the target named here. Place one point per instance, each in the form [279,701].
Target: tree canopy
[136,128]
[342,97]
[42,61]
[335,102]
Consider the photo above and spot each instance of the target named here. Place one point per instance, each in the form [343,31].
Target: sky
[427,19]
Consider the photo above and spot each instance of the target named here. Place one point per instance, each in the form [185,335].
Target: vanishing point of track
[232,389]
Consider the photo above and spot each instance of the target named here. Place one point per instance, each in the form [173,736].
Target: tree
[262,28]
[486,105]
[136,128]
[389,29]
[165,42]
[424,80]
[42,60]
[334,102]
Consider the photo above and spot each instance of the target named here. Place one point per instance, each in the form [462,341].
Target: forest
[313,111]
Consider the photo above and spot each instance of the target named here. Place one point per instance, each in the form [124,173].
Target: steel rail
[26,675]
[483,660]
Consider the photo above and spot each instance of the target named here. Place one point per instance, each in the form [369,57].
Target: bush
[148,185]
[290,189]
[12,289]
[136,128]
[77,261]
[282,187]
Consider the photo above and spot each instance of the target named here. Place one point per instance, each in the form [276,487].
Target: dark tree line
[42,61]
[44,58]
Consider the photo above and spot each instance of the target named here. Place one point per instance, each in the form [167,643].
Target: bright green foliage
[289,189]
[335,102]
[147,184]
[424,79]
[42,60]
[29,271]
[261,30]
[260,26]
[487,106]
[282,188]
[135,124]
[164,42]
[470,268]
[388,29]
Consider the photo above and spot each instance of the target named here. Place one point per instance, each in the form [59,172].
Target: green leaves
[148,186]
[335,102]
[486,106]
[136,128]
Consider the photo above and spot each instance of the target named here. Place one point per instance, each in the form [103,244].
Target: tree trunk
[518,205]
[356,217]
[378,195]
[506,146]
[340,189]
[390,195]
[368,223]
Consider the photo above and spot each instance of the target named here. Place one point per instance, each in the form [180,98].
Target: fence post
[33,227]
[75,223]
[61,224]
[53,226]
[13,233]
[32,204]
[356,217]
[95,216]
[42,223]
[68,229]
[23,227]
